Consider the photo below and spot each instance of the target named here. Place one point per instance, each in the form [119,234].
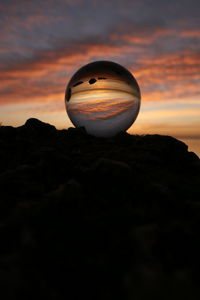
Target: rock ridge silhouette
[102,218]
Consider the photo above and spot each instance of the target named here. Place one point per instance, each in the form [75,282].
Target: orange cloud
[143,38]
[40,77]
[29,81]
[190,33]
[101,109]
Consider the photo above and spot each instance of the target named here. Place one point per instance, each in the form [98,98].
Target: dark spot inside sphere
[92,81]
[119,73]
[80,82]
[68,94]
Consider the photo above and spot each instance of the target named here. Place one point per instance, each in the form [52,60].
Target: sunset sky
[43,43]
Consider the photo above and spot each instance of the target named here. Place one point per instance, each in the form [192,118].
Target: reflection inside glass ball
[103,97]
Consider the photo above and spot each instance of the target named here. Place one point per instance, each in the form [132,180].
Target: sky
[43,43]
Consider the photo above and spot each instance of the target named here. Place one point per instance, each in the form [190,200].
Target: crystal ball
[103,97]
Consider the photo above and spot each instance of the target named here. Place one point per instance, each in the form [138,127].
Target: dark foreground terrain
[85,217]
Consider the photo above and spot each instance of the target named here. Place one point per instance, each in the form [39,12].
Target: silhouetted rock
[102,218]
[35,126]
[77,132]
[109,172]
[7,132]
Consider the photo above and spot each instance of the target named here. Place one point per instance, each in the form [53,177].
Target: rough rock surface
[85,217]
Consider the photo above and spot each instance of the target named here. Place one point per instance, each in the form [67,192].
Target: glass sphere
[103,97]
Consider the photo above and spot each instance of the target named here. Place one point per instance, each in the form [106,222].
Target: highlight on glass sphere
[103,97]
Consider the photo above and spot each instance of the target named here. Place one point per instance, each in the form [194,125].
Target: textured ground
[85,217]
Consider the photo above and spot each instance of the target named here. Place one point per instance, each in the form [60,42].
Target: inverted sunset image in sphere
[103,97]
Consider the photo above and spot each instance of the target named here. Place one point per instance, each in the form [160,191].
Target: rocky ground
[85,217]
